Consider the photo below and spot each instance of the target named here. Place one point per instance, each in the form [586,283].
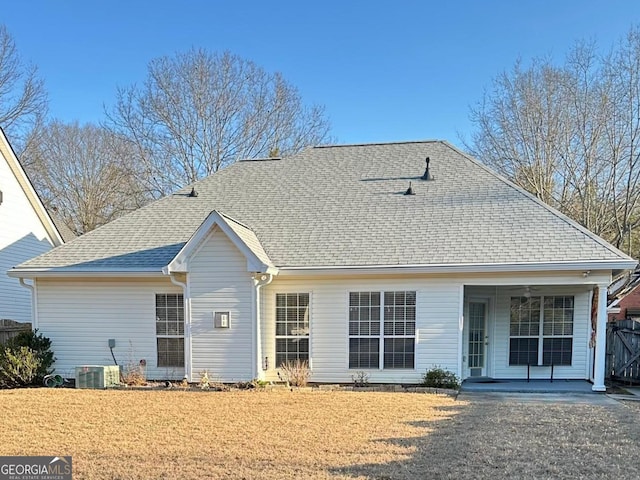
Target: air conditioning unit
[97,376]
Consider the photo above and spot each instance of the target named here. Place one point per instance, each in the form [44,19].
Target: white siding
[80,316]
[437,320]
[22,237]
[219,282]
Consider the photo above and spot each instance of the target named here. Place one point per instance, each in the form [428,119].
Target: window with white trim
[170,329]
[541,330]
[364,329]
[398,312]
[292,327]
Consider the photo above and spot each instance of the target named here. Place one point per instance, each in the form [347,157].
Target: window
[292,327]
[398,312]
[170,329]
[364,329]
[541,330]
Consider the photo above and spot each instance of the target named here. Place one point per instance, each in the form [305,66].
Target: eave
[585,266]
[67,272]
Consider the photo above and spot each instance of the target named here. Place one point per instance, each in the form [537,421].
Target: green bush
[440,378]
[40,345]
[18,367]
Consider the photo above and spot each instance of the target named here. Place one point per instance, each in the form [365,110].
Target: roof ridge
[549,208]
[260,159]
[405,142]
[222,214]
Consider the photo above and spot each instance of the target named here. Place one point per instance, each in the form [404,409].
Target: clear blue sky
[385,71]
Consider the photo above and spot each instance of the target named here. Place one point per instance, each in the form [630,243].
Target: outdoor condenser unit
[97,376]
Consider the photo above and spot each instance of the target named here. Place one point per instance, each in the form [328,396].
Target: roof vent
[409,190]
[427,175]
[193,192]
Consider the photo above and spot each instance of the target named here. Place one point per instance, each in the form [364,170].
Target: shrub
[204,383]
[134,374]
[440,378]
[19,367]
[360,379]
[255,383]
[40,346]
[295,373]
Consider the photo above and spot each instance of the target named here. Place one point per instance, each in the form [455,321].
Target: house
[624,297]
[26,230]
[355,258]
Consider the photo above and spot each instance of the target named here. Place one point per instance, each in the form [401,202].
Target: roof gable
[240,235]
[9,156]
[343,207]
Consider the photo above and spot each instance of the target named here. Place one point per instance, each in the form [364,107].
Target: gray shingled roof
[65,232]
[250,239]
[344,206]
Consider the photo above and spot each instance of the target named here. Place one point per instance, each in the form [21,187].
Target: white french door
[478,338]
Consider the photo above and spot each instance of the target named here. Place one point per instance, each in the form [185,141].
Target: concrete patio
[486,385]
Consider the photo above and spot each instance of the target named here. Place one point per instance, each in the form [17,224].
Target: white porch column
[601,339]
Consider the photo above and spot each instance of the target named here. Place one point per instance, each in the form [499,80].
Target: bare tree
[23,100]
[570,135]
[84,173]
[520,124]
[198,112]
[622,136]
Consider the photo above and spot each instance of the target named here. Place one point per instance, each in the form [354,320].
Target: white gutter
[187,326]
[34,311]
[259,280]
[38,273]
[351,269]
[459,268]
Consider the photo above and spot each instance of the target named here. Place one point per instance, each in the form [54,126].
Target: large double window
[541,330]
[292,327]
[170,329]
[396,311]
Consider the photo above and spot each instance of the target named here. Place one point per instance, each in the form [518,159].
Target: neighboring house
[624,297]
[324,256]
[26,230]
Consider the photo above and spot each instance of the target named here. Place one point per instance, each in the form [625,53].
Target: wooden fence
[623,351]
[11,328]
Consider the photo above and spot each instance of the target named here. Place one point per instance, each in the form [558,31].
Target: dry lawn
[337,435]
[208,435]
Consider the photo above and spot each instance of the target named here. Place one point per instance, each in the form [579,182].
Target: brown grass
[337,435]
[249,434]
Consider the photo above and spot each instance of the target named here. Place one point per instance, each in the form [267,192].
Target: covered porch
[541,334]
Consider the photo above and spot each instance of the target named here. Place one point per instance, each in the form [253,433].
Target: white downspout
[259,280]
[34,310]
[460,331]
[187,325]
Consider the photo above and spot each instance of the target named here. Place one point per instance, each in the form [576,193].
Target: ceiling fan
[524,290]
